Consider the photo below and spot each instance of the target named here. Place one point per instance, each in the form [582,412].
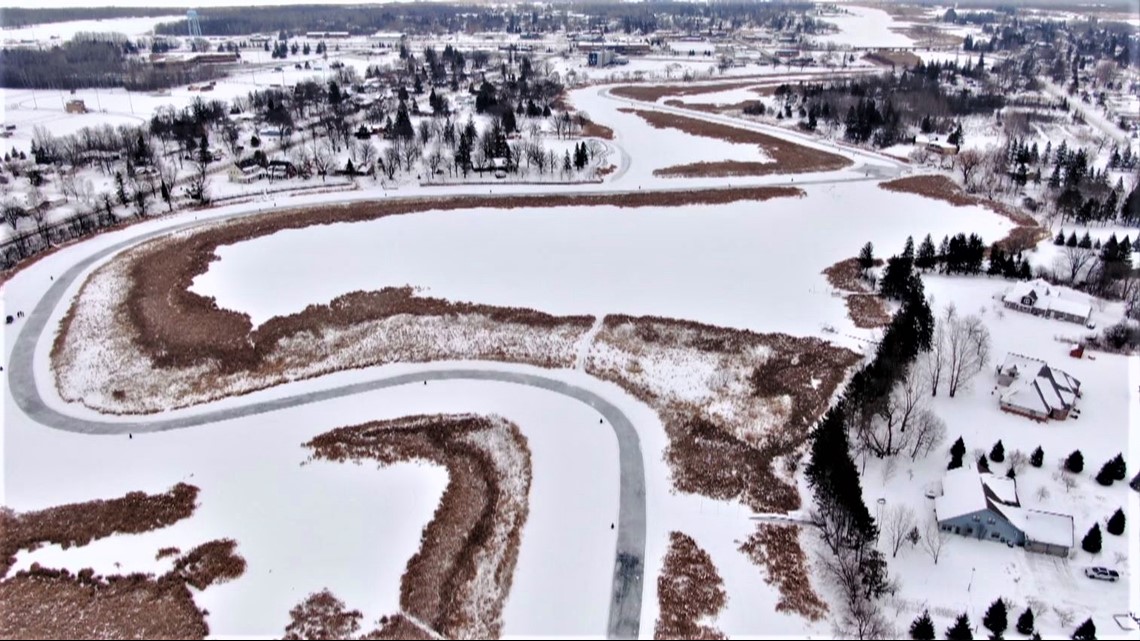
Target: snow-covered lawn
[865,27]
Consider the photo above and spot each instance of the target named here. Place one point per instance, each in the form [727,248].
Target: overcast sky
[198,4]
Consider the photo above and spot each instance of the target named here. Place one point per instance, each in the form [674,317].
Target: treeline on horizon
[81,63]
[16,17]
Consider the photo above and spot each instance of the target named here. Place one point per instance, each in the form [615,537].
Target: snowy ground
[865,27]
[63,31]
[970,574]
[709,263]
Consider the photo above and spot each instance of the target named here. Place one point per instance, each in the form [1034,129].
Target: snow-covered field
[714,264]
[63,31]
[865,27]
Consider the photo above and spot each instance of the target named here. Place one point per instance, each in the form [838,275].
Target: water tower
[192,26]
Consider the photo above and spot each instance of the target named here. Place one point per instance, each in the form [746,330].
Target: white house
[1031,388]
[1039,298]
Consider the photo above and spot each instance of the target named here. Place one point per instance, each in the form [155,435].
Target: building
[327,35]
[1039,298]
[986,507]
[600,58]
[246,175]
[1033,389]
[75,107]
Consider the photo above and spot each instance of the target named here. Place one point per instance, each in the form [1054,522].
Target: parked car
[1103,574]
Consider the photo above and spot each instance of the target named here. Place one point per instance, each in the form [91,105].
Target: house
[1039,298]
[936,146]
[75,107]
[1035,390]
[986,507]
[246,175]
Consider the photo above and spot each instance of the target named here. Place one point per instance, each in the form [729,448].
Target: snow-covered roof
[1017,364]
[1025,288]
[965,491]
[1047,298]
[1042,527]
[1072,307]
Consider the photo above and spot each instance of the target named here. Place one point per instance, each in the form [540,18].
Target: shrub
[1037,459]
[1075,463]
[983,464]
[1119,469]
[1116,523]
[1105,476]
[1091,542]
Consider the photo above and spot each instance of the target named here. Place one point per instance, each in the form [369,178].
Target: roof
[966,491]
[1047,298]
[1071,307]
[1016,364]
[1026,394]
[1043,527]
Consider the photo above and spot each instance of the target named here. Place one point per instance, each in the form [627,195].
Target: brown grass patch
[847,276]
[867,311]
[653,93]
[926,35]
[718,169]
[1025,235]
[777,549]
[726,432]
[54,604]
[459,580]
[211,563]
[178,330]
[904,59]
[688,589]
[591,129]
[78,524]
[789,157]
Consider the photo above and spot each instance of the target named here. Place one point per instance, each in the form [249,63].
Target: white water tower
[192,26]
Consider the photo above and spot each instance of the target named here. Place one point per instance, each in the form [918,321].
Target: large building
[986,507]
[1031,388]
[1039,298]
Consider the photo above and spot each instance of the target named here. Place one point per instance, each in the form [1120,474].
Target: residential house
[75,107]
[1039,298]
[1031,388]
[986,507]
[247,174]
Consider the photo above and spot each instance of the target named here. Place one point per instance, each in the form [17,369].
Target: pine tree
[997,453]
[1024,272]
[1119,469]
[1106,475]
[1072,241]
[1116,523]
[1091,542]
[1075,463]
[983,464]
[1060,239]
[1085,242]
[960,631]
[995,619]
[1025,622]
[1135,483]
[923,628]
[867,257]
[1086,631]
[926,256]
[1037,458]
[957,451]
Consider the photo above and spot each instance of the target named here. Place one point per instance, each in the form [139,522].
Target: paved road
[629,557]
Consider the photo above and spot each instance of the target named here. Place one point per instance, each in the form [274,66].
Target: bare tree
[322,159]
[934,538]
[367,154]
[1075,260]
[967,163]
[411,152]
[197,188]
[968,350]
[390,161]
[932,363]
[435,159]
[928,432]
[887,433]
[898,521]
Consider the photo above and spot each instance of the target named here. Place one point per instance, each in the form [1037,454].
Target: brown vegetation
[653,93]
[688,589]
[846,275]
[54,604]
[1026,234]
[459,580]
[867,311]
[78,524]
[777,549]
[175,328]
[591,129]
[211,563]
[789,157]
[903,59]
[724,439]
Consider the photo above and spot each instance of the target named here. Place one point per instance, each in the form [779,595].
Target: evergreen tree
[1085,242]
[1119,470]
[997,452]
[1060,239]
[922,629]
[896,278]
[1037,458]
[960,631]
[1086,631]
[867,257]
[1025,622]
[926,257]
[1106,475]
[1024,272]
[957,451]
[1116,523]
[1075,463]
[983,464]
[1091,542]
[1135,483]
[995,619]
[1072,241]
